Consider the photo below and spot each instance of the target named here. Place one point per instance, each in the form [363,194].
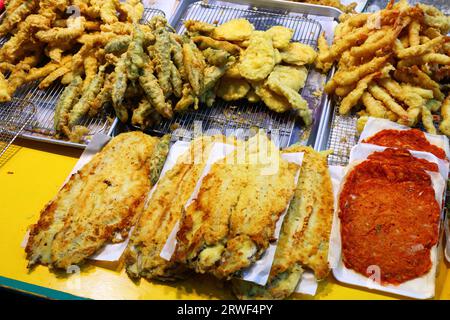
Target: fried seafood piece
[37,73]
[233,30]
[154,92]
[409,219]
[444,126]
[224,237]
[281,36]
[65,103]
[257,61]
[417,77]
[305,233]
[204,42]
[98,203]
[16,16]
[108,11]
[119,28]
[4,94]
[323,48]
[83,105]
[54,35]
[298,54]
[119,87]
[104,97]
[164,209]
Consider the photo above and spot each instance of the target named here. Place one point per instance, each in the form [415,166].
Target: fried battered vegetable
[194,26]
[65,103]
[232,89]
[119,87]
[154,92]
[81,108]
[4,94]
[444,126]
[298,54]
[19,14]
[118,45]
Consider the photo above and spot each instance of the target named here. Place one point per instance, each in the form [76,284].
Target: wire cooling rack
[241,116]
[13,120]
[42,126]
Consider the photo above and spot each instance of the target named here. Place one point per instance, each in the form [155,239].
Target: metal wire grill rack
[225,117]
[343,136]
[42,125]
[13,120]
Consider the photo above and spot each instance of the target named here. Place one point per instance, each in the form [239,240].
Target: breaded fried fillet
[99,202]
[303,242]
[162,212]
[230,224]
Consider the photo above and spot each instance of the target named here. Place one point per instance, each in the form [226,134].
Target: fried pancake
[232,221]
[98,203]
[162,212]
[305,233]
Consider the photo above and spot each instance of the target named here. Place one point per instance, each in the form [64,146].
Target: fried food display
[305,234]
[389,216]
[48,44]
[99,202]
[232,220]
[259,57]
[409,44]
[163,210]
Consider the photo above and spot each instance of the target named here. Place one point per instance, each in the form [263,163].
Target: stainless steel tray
[240,116]
[41,126]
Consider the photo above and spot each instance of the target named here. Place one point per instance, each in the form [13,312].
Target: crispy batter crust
[97,203]
[305,233]
[389,217]
[231,222]
[162,212]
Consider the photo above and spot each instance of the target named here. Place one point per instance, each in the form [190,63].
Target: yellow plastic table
[32,176]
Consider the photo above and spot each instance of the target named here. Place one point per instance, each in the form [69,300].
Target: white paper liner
[375,125]
[419,288]
[259,271]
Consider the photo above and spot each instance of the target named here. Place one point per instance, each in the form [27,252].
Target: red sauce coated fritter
[412,139]
[389,218]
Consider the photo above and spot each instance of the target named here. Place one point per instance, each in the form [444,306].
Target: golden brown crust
[99,202]
[305,233]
